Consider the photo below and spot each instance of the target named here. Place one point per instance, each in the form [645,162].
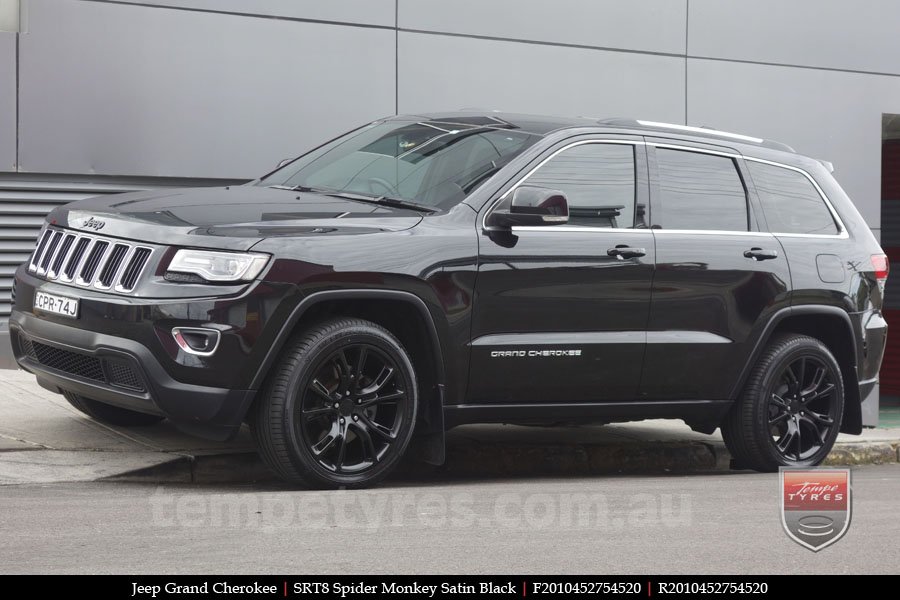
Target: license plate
[58,305]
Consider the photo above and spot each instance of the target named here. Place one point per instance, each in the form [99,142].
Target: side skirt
[700,415]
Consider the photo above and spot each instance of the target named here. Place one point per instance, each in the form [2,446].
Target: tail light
[882,267]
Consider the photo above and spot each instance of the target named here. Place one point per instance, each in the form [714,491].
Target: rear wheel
[790,411]
[113,415]
[339,408]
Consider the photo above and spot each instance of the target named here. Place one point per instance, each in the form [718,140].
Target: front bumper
[123,373]
[120,351]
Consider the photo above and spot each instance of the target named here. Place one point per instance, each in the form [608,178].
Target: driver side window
[598,181]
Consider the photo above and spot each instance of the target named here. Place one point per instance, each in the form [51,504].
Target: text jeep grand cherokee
[426,271]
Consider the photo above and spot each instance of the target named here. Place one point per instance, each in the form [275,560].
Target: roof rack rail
[704,131]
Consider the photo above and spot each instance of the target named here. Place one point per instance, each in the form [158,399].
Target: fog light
[199,341]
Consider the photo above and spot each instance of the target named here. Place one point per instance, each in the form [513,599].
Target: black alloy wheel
[802,408]
[789,413]
[339,408]
[352,409]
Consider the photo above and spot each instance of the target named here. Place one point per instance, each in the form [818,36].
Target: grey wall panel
[440,73]
[829,115]
[7,101]
[130,90]
[649,25]
[372,12]
[823,33]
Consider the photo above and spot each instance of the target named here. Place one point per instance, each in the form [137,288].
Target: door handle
[623,251]
[760,254]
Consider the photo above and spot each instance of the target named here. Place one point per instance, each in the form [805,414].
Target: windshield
[431,163]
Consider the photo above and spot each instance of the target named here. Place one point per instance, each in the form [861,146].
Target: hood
[235,217]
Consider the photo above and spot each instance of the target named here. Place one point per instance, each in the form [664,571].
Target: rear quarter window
[790,202]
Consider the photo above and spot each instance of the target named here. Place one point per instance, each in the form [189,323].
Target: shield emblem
[815,505]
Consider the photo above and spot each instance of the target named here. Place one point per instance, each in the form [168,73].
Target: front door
[561,311]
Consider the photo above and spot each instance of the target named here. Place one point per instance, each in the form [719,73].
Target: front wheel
[790,411]
[339,407]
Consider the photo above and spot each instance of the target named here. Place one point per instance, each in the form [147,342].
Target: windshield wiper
[398,203]
[382,200]
[303,188]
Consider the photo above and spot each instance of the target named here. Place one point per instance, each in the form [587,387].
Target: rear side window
[790,201]
[699,191]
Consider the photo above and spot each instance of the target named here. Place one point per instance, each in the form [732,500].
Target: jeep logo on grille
[94,224]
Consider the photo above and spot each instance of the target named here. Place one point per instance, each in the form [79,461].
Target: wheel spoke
[787,439]
[815,427]
[344,371]
[326,443]
[383,378]
[778,419]
[826,389]
[799,443]
[319,388]
[378,429]
[820,418]
[802,377]
[368,445]
[360,366]
[817,379]
[779,401]
[342,450]
[312,413]
[397,395]
[792,383]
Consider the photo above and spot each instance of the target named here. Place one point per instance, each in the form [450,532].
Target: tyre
[339,407]
[790,411]
[113,415]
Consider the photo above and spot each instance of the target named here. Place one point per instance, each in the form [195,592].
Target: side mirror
[530,205]
[283,162]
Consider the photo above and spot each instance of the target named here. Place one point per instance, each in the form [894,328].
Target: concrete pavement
[43,439]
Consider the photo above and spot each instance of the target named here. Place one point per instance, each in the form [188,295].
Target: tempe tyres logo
[815,505]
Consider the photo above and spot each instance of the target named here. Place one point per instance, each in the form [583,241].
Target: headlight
[219,266]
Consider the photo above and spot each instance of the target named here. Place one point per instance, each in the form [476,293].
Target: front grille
[113,371]
[73,363]
[88,260]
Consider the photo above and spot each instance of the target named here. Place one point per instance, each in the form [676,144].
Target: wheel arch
[833,327]
[407,317]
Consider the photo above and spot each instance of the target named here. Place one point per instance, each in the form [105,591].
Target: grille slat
[111,268]
[133,270]
[39,251]
[48,253]
[95,257]
[75,260]
[88,260]
[61,255]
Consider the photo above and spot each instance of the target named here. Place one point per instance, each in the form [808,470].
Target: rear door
[717,273]
[560,316]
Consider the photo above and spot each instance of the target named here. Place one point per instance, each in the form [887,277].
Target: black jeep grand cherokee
[426,271]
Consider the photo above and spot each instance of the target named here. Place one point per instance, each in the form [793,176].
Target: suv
[427,271]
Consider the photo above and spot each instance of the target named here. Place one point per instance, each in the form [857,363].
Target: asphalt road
[719,523]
